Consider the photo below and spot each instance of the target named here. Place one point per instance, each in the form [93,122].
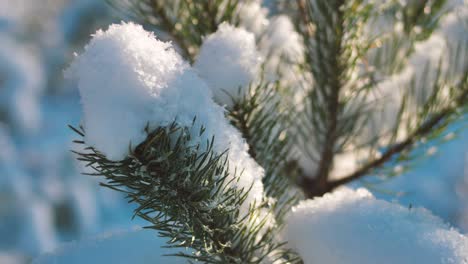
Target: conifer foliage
[218,135]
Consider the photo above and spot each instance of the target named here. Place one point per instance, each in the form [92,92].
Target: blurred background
[44,200]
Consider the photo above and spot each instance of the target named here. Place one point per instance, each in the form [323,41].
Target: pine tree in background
[297,94]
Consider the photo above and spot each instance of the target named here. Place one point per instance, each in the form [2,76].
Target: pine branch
[169,26]
[264,125]
[336,110]
[419,20]
[333,55]
[422,15]
[328,73]
[186,193]
[427,127]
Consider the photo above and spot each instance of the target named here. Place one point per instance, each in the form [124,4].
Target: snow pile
[350,226]
[128,79]
[136,246]
[228,61]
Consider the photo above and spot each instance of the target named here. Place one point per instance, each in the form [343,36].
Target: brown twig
[425,129]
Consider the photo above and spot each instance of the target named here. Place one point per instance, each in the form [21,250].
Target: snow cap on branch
[228,61]
[123,77]
[129,80]
[350,226]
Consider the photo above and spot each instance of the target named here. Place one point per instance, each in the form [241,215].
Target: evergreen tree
[332,83]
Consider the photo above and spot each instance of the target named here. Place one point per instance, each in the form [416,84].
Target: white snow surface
[349,226]
[136,246]
[128,79]
[228,61]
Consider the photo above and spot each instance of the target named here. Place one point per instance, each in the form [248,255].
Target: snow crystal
[128,79]
[228,61]
[350,226]
[136,246]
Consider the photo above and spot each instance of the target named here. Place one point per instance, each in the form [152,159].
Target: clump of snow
[121,75]
[351,226]
[228,61]
[128,79]
[284,51]
[281,48]
[281,38]
[136,246]
[252,16]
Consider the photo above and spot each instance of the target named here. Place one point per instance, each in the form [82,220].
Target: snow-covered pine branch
[229,63]
[356,107]
[156,134]
[192,166]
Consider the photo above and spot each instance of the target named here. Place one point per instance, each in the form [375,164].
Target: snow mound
[349,226]
[137,246]
[128,79]
[228,61]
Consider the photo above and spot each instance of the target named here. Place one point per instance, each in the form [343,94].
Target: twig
[423,130]
[426,128]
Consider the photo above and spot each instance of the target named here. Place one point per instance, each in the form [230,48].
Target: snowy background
[44,201]
[43,198]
